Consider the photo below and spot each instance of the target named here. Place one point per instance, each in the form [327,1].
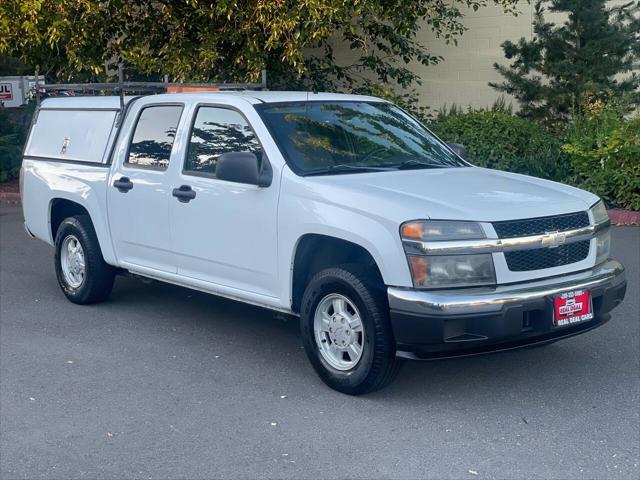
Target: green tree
[228,40]
[591,56]
[11,66]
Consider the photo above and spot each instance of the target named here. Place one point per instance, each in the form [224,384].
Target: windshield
[319,137]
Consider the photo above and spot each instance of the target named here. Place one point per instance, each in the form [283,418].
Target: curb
[624,217]
[11,198]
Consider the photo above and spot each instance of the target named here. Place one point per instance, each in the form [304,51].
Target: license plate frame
[572,307]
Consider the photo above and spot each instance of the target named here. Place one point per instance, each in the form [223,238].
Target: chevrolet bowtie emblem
[553,239]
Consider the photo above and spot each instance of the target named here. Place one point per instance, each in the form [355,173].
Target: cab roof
[252,96]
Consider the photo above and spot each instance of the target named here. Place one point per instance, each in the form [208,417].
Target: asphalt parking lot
[163,382]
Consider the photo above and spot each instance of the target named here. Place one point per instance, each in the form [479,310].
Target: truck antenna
[121,86]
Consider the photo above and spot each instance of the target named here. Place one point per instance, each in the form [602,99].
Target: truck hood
[469,193]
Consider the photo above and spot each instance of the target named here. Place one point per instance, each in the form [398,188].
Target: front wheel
[346,330]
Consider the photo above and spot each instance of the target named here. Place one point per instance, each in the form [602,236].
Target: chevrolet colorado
[340,209]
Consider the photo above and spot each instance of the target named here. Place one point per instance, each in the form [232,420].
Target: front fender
[300,216]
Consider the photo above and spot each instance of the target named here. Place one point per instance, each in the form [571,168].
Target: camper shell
[81,129]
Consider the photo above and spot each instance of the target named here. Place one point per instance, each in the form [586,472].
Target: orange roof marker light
[188,89]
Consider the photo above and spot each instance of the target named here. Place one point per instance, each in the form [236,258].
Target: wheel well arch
[315,252]
[60,209]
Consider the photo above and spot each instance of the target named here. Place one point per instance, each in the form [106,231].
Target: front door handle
[123,184]
[184,194]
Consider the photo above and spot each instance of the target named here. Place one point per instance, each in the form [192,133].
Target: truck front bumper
[451,323]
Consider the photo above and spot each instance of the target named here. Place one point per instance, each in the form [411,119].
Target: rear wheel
[83,275]
[346,330]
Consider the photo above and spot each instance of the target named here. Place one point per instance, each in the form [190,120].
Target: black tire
[378,364]
[99,276]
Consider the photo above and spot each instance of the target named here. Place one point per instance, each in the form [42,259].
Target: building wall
[464,75]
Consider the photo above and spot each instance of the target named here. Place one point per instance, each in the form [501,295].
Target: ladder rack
[121,86]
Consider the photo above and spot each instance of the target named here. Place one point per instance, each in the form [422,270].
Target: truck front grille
[539,258]
[541,225]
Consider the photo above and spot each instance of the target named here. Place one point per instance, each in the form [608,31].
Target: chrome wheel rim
[339,331]
[72,261]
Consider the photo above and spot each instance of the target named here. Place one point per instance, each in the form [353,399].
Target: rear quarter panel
[44,181]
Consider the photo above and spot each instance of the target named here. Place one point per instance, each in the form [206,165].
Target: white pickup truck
[340,209]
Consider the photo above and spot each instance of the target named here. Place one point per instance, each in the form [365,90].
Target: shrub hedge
[11,141]
[599,152]
[604,149]
[497,139]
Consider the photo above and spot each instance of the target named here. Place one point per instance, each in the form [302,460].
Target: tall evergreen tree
[593,55]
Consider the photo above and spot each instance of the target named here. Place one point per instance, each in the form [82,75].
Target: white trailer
[15,91]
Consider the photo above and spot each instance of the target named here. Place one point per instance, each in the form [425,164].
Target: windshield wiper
[408,164]
[345,168]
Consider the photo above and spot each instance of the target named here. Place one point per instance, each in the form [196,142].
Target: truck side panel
[45,181]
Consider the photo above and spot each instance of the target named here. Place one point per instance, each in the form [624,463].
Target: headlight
[440,230]
[603,246]
[438,271]
[599,213]
[441,271]
[603,240]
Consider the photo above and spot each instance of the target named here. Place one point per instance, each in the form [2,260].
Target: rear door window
[216,131]
[153,136]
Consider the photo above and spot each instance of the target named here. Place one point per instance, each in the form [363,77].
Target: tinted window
[153,136]
[343,137]
[217,131]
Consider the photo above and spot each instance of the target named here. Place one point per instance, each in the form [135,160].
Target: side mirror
[244,167]
[459,149]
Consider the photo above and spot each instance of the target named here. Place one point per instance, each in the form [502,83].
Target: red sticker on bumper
[572,307]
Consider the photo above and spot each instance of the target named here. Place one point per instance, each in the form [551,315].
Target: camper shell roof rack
[120,87]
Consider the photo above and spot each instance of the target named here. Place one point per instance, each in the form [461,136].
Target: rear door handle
[123,184]
[184,194]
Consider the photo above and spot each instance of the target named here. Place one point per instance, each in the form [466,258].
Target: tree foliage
[604,147]
[591,56]
[297,41]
